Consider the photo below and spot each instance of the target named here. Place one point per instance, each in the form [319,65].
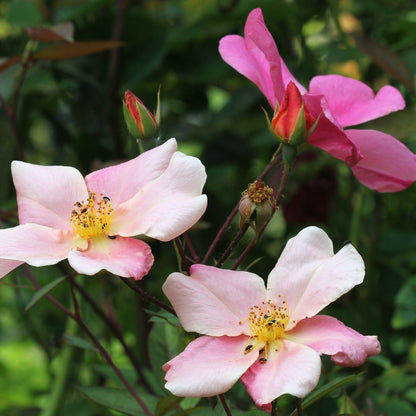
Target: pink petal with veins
[46,194]
[35,244]
[125,257]
[327,335]
[310,276]
[123,181]
[387,164]
[293,369]
[207,302]
[208,366]
[167,206]
[352,102]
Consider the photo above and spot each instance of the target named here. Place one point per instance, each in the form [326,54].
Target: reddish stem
[104,354]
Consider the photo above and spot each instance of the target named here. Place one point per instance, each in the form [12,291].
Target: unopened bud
[292,122]
[140,122]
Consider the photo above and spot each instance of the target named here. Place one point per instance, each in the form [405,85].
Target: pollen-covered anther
[259,193]
[267,324]
[92,217]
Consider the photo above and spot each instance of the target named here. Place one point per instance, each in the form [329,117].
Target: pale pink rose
[270,337]
[91,221]
[377,159]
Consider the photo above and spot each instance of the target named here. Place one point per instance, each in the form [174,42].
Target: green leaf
[166,404]
[163,316]
[347,406]
[43,292]
[165,341]
[327,389]
[79,342]
[405,313]
[118,399]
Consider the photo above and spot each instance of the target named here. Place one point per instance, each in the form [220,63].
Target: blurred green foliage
[69,112]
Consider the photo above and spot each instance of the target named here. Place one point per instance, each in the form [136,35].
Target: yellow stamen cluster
[267,325]
[258,192]
[92,217]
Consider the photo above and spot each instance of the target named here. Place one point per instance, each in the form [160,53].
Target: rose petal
[169,205]
[294,369]
[328,135]
[125,257]
[387,166]
[207,302]
[46,194]
[327,335]
[310,276]
[208,366]
[122,182]
[6,266]
[257,58]
[353,102]
[255,67]
[35,244]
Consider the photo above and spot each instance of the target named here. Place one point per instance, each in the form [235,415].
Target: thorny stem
[233,243]
[104,354]
[224,405]
[11,114]
[107,358]
[179,248]
[233,213]
[191,248]
[146,296]
[116,331]
[220,233]
[74,298]
[260,232]
[12,109]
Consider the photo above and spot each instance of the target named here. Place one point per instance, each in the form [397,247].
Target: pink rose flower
[91,221]
[270,337]
[377,159]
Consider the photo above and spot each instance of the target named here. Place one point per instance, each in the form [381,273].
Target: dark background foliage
[69,112]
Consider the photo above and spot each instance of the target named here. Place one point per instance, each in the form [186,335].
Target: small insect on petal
[248,349]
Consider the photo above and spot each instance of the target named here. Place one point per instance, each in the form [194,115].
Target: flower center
[92,217]
[258,192]
[267,325]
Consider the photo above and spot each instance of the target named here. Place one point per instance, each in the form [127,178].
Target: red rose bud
[140,122]
[256,205]
[292,121]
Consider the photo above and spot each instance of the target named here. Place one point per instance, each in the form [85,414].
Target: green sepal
[299,134]
[131,123]
[150,126]
[271,130]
